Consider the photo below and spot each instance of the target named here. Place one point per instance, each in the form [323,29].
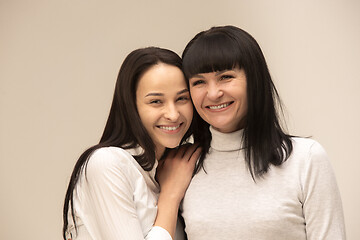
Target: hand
[175,171]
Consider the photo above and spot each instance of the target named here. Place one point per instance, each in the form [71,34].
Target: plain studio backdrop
[59,62]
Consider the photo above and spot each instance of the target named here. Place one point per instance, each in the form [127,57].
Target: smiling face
[164,105]
[220,98]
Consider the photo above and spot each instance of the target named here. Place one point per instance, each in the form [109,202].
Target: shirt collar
[138,151]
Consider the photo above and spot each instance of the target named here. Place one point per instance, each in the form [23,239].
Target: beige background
[59,61]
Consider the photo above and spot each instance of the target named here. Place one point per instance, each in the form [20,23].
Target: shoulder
[309,154]
[307,147]
[110,160]
[108,156]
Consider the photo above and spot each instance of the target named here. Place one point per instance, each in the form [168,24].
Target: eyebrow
[216,73]
[161,94]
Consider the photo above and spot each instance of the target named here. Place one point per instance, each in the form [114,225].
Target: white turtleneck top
[116,199]
[298,200]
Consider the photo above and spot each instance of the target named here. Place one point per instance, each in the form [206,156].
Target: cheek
[141,112]
[244,101]
[147,116]
[196,96]
[187,111]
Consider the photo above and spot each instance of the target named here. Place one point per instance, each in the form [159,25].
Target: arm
[322,203]
[106,197]
[174,175]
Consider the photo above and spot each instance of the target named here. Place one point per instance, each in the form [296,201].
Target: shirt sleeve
[108,209]
[322,205]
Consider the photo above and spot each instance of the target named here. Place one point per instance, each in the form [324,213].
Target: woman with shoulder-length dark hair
[253,181]
[112,192]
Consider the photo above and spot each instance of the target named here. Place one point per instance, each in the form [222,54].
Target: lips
[219,106]
[170,128]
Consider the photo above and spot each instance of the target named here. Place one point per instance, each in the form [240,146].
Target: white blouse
[116,199]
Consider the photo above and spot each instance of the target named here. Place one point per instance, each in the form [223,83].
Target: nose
[214,92]
[171,112]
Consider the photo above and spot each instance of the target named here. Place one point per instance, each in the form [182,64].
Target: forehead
[162,78]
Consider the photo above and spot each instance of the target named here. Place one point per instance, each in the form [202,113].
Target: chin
[171,144]
[217,126]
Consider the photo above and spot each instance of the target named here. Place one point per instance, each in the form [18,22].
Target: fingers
[178,152]
[190,150]
[182,150]
[185,152]
[195,156]
[171,153]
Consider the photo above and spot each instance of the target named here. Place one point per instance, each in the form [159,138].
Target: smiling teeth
[219,106]
[169,128]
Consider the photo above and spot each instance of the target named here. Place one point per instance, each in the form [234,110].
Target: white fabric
[116,199]
[296,201]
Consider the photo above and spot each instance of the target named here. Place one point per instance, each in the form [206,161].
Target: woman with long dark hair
[112,192]
[253,181]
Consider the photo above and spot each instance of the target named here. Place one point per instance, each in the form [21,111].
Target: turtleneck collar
[226,142]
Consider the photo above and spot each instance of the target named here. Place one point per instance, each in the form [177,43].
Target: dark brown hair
[124,127]
[226,47]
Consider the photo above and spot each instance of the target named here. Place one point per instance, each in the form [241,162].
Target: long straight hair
[124,128]
[226,47]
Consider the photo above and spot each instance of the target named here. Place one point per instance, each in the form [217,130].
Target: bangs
[211,53]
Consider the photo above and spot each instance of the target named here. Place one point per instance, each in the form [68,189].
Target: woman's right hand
[175,171]
[174,174]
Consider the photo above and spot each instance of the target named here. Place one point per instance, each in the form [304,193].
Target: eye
[183,99]
[197,82]
[226,76]
[155,101]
